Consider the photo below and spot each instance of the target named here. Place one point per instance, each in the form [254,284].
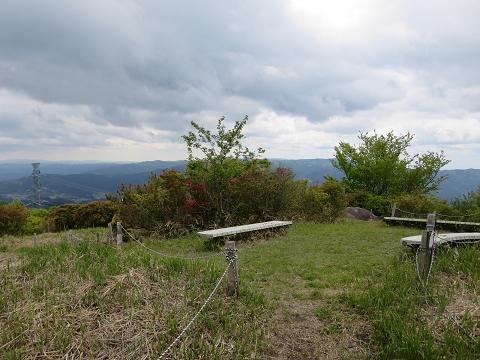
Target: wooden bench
[234,230]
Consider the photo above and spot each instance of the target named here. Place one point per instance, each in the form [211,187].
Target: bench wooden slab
[243,229]
[442,238]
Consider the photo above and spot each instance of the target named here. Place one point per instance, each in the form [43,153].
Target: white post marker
[110,232]
[394,209]
[119,234]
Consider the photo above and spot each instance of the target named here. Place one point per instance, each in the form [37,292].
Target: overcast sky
[121,80]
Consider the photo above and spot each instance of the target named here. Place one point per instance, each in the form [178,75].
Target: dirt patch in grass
[462,311]
[316,329]
[463,303]
[8,260]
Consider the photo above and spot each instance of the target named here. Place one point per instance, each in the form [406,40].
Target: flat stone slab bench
[442,238]
[243,229]
[447,222]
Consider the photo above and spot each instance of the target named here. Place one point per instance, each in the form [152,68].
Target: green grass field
[317,291]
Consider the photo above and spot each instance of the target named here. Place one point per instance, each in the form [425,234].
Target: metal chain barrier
[185,329]
[460,216]
[424,284]
[441,215]
[410,213]
[167,255]
[77,238]
[231,257]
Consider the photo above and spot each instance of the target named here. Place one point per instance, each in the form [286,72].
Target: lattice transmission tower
[36,184]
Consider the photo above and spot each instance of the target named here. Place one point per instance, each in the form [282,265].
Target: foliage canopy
[382,165]
[215,158]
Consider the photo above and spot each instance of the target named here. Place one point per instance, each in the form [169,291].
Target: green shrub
[407,204]
[261,194]
[95,213]
[171,203]
[468,206]
[324,202]
[167,203]
[379,205]
[421,205]
[12,218]
[62,217]
[36,222]
[74,216]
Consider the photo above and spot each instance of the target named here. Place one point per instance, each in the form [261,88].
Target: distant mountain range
[76,182]
[79,182]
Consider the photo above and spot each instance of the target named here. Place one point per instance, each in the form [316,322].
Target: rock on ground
[360,214]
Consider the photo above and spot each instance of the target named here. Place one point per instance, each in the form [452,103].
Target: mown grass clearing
[344,290]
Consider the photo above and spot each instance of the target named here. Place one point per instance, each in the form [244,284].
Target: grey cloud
[166,56]
[160,64]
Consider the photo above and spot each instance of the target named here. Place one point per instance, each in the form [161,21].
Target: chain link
[167,255]
[185,329]
[231,257]
[424,284]
[410,213]
[442,215]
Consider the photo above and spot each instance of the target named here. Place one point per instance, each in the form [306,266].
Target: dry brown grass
[91,300]
[297,333]
[463,304]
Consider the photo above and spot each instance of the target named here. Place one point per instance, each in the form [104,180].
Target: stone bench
[442,238]
[234,230]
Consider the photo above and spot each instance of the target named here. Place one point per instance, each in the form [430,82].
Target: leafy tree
[214,158]
[381,165]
